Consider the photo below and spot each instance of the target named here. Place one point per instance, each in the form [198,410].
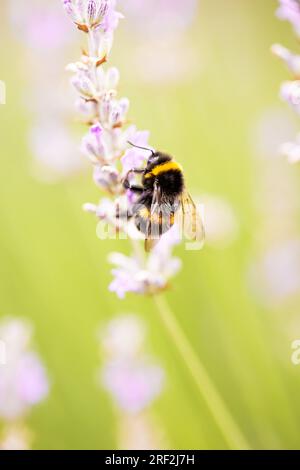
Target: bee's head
[156,158]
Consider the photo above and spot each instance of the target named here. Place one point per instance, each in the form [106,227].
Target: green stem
[229,428]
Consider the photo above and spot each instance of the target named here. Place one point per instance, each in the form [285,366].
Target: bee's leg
[128,185]
[134,188]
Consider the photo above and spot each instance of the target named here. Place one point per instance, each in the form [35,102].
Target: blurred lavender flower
[133,385]
[124,336]
[150,276]
[290,90]
[133,380]
[291,60]
[23,379]
[130,376]
[39,24]
[46,36]
[292,150]
[290,10]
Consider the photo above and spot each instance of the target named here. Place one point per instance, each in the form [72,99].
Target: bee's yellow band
[163,168]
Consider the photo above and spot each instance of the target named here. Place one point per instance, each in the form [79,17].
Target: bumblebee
[163,200]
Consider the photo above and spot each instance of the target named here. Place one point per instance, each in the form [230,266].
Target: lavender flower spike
[93,14]
[290,90]
[23,379]
[290,10]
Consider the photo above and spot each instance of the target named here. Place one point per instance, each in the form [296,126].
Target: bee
[162,200]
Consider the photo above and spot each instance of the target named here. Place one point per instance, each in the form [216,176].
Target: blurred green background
[54,270]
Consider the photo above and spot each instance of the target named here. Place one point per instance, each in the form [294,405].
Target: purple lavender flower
[132,275]
[292,60]
[290,10]
[124,336]
[131,377]
[134,157]
[40,24]
[93,14]
[23,379]
[291,150]
[93,145]
[133,384]
[290,92]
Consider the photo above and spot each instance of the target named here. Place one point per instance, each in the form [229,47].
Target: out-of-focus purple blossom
[291,60]
[134,275]
[23,379]
[40,24]
[32,383]
[291,150]
[290,10]
[133,384]
[290,92]
[123,336]
[131,377]
[46,34]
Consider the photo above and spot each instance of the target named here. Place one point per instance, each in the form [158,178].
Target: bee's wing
[192,224]
[152,237]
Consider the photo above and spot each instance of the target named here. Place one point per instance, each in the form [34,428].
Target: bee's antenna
[142,148]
